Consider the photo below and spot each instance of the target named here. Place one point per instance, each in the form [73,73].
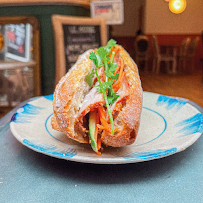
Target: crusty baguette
[68,96]
[72,89]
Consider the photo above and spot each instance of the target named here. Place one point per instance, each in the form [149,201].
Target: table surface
[29,176]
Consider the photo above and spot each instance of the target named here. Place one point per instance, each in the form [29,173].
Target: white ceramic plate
[168,126]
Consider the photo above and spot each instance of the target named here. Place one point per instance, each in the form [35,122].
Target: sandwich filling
[106,99]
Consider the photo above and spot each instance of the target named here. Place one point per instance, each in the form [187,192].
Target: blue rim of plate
[157,107]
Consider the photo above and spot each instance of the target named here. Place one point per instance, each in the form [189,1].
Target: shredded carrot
[96,128]
[100,127]
[105,123]
[98,146]
[117,50]
[102,114]
[117,85]
[117,69]
[95,133]
[111,52]
[121,69]
[97,139]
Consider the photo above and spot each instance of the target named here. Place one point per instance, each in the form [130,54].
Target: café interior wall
[131,23]
[160,20]
[172,28]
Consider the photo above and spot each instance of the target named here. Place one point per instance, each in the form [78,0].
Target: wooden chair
[202,58]
[182,52]
[188,58]
[142,51]
[159,57]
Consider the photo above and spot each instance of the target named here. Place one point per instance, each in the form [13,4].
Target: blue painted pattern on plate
[164,126]
[26,113]
[150,154]
[49,97]
[51,149]
[191,125]
[170,102]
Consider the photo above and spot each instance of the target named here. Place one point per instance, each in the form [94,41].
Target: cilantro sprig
[101,58]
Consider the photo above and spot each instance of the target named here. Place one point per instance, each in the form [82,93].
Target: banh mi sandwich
[99,100]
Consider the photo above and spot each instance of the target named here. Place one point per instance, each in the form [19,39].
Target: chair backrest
[141,45]
[184,46]
[155,45]
[193,46]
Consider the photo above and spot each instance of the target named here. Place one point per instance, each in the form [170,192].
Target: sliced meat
[92,100]
[123,93]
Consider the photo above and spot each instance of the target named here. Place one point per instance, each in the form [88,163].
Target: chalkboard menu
[74,36]
[78,39]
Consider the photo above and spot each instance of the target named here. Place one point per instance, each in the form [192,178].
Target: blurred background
[166,44]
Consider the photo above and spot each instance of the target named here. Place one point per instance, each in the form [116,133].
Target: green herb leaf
[111,43]
[90,77]
[109,74]
[105,85]
[112,96]
[112,67]
[101,58]
[101,52]
[93,57]
[96,59]
[112,99]
[107,103]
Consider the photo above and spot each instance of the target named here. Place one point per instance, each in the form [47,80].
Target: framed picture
[111,10]
[18,41]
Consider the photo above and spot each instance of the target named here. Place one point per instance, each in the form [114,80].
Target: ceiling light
[177,6]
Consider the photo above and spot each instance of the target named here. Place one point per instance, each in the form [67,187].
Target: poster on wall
[18,42]
[2,42]
[111,10]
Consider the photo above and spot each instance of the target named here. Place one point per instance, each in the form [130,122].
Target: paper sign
[112,11]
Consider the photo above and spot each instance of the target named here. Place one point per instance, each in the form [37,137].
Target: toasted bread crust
[68,95]
[70,92]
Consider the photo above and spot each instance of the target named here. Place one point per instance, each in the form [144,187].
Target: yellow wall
[158,18]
